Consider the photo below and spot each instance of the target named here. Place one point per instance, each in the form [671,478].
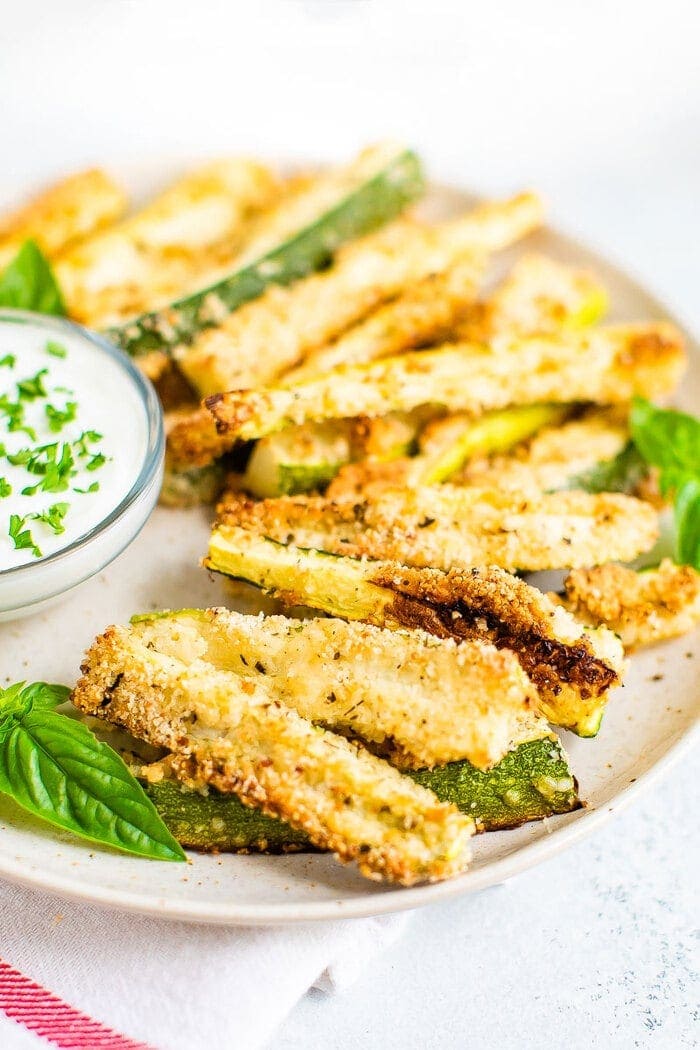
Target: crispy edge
[305,782]
[641,607]
[448,527]
[63,213]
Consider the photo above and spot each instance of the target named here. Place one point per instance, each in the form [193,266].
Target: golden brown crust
[641,607]
[607,365]
[343,797]
[554,456]
[181,239]
[193,440]
[492,604]
[538,295]
[265,338]
[425,312]
[449,527]
[62,214]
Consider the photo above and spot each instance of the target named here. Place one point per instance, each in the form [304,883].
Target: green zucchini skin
[532,782]
[373,203]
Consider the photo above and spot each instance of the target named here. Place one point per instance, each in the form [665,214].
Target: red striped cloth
[47,1016]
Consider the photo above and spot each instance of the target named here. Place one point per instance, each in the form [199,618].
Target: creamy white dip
[73,434]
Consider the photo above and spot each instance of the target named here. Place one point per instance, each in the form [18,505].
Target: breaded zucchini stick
[182,236]
[426,312]
[554,456]
[641,607]
[572,669]
[607,365]
[62,214]
[445,444]
[532,782]
[538,295]
[422,700]
[449,527]
[263,339]
[242,742]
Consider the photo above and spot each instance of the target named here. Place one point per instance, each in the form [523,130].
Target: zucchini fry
[62,214]
[292,240]
[607,365]
[421,700]
[538,295]
[426,312]
[641,607]
[555,456]
[445,445]
[532,782]
[240,741]
[572,669]
[265,338]
[449,527]
[307,458]
[182,236]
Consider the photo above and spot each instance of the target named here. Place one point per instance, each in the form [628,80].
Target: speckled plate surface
[650,723]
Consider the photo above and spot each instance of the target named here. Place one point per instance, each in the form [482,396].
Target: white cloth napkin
[176,986]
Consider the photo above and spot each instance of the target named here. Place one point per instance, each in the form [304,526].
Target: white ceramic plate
[649,724]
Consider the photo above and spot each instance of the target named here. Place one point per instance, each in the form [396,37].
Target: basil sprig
[55,768]
[670,440]
[28,283]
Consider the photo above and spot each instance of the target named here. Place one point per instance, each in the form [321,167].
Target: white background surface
[596,104]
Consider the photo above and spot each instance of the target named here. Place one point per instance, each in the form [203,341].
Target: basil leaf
[28,283]
[40,694]
[686,508]
[670,440]
[622,473]
[55,768]
[667,439]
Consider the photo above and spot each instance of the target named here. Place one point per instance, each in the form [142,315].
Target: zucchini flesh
[449,443]
[532,782]
[572,675]
[307,458]
[359,205]
[300,459]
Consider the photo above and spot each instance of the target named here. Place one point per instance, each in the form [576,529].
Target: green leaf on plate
[55,768]
[686,508]
[622,473]
[28,283]
[670,440]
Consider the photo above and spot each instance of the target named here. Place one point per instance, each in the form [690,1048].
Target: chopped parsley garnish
[53,517]
[55,349]
[33,387]
[96,462]
[14,413]
[21,537]
[32,406]
[54,469]
[59,417]
[88,437]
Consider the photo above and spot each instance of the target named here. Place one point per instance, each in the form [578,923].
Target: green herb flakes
[59,417]
[55,349]
[21,537]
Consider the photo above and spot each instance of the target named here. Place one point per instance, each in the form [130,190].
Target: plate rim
[571,828]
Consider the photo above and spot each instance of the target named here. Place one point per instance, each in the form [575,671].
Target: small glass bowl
[39,583]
